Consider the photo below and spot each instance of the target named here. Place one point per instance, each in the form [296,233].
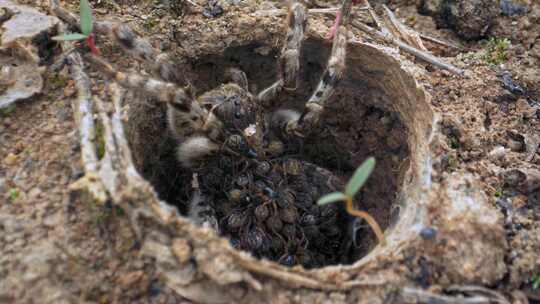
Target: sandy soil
[491,132]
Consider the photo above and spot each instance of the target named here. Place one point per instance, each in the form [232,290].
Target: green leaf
[331,198]
[360,177]
[86,17]
[13,194]
[68,37]
[536,281]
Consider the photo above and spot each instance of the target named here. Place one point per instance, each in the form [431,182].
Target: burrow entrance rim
[375,81]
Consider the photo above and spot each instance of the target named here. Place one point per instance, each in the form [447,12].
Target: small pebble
[10,159]
[512,7]
[497,153]
[69,91]
[53,220]
[519,201]
[428,233]
[35,193]
[515,146]
[9,238]
[524,109]
[235,195]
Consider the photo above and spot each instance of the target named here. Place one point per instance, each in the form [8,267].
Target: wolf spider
[248,187]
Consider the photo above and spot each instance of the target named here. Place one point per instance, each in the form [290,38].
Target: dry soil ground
[489,128]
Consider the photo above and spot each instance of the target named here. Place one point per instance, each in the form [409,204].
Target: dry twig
[400,31]
[477,295]
[385,35]
[409,49]
[494,296]
[438,41]
[311,11]
[413,295]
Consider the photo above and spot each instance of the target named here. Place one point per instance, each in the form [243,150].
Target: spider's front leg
[163,91]
[192,125]
[141,49]
[301,125]
[189,122]
[289,59]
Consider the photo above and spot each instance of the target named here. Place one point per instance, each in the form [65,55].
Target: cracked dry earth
[54,249]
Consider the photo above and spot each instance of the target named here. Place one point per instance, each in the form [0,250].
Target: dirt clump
[470,19]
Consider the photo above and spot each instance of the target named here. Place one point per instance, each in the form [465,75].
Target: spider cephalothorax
[248,187]
[227,123]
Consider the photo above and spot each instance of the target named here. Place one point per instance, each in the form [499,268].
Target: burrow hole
[355,127]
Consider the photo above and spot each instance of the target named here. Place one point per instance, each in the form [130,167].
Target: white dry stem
[311,11]
[425,56]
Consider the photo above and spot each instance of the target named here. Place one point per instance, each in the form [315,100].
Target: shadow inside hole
[355,127]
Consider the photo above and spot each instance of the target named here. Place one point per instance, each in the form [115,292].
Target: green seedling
[354,185]
[497,50]
[454,142]
[13,194]
[499,192]
[536,281]
[86,26]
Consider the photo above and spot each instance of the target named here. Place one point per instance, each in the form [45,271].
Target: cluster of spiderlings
[268,208]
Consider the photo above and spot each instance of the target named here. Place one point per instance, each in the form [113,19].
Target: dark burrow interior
[292,229]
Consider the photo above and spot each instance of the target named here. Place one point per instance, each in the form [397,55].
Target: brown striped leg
[141,49]
[289,59]
[301,125]
[331,77]
[185,116]
[200,210]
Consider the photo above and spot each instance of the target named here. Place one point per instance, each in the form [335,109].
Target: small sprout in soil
[117,211]
[499,192]
[14,194]
[411,20]
[103,214]
[86,26]
[536,281]
[452,164]
[58,81]
[449,162]
[469,57]
[454,142]
[151,23]
[356,182]
[496,50]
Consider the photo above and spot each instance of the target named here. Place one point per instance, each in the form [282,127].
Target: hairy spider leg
[163,91]
[201,212]
[186,120]
[185,116]
[143,51]
[331,76]
[289,59]
[290,123]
